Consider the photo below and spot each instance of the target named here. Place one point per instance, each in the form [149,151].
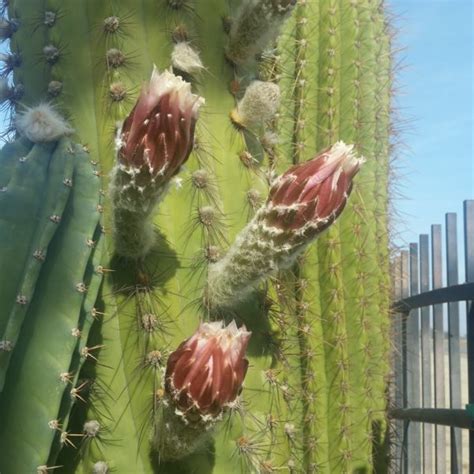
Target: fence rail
[457,418]
[423,407]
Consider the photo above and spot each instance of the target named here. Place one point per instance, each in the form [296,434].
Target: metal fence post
[438,342]
[397,392]
[404,320]
[469,262]
[454,338]
[426,350]
[413,368]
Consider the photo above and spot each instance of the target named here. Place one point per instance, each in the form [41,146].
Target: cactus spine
[313,397]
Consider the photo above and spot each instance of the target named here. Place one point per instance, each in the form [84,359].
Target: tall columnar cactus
[187,196]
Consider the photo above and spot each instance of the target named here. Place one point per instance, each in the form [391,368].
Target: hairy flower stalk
[301,204]
[153,143]
[203,379]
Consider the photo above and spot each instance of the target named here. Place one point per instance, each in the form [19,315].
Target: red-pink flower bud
[159,131]
[311,195]
[206,372]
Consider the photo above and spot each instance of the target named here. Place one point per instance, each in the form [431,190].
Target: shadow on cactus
[152,272]
[164,306]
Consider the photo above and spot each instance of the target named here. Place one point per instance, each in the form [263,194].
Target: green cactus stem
[59,184]
[52,328]
[20,206]
[85,382]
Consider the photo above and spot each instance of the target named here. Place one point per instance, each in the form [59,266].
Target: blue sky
[435,99]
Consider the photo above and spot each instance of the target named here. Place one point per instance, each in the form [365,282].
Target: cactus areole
[193,236]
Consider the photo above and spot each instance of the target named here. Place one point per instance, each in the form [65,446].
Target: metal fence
[428,410]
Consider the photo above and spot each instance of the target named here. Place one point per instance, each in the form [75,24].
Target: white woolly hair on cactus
[258,106]
[186,59]
[91,428]
[100,467]
[42,124]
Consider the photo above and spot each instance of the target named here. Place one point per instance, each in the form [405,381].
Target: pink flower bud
[159,131]
[206,372]
[311,195]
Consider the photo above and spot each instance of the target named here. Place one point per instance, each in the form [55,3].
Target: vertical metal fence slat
[398,363]
[405,287]
[426,349]
[454,338]
[438,341]
[413,366]
[469,262]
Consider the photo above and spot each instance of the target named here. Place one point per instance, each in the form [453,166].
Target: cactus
[146,210]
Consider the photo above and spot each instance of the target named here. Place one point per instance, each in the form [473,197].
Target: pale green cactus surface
[79,391]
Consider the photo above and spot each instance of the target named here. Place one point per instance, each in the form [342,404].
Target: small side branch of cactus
[302,203]
[153,143]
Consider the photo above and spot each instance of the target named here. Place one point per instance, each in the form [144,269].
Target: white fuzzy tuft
[100,467]
[91,428]
[270,139]
[42,124]
[186,59]
[259,104]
